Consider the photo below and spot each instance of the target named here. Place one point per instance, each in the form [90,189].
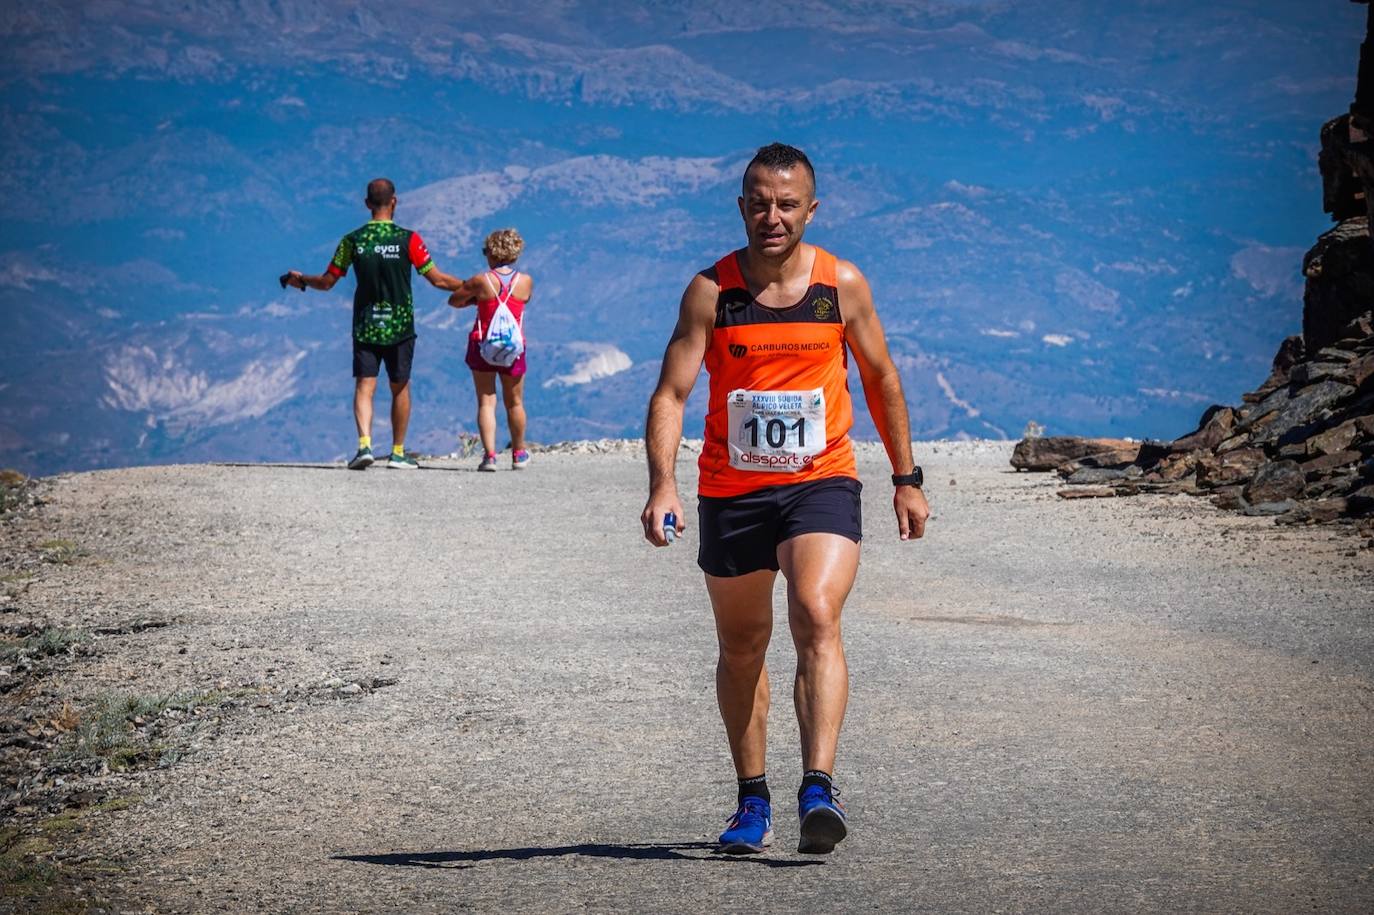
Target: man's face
[776,206]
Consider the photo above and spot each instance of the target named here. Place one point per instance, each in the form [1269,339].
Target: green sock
[364,441]
[398,449]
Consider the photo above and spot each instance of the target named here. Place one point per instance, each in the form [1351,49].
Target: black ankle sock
[815,777]
[754,787]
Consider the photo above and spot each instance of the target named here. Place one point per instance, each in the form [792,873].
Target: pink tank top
[486,308]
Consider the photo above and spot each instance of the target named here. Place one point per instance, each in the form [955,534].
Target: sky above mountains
[1088,216]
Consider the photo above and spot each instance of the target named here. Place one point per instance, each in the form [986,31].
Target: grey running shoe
[362,460]
[519,460]
[488,464]
[402,462]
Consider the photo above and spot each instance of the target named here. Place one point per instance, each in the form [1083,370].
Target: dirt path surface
[1102,705]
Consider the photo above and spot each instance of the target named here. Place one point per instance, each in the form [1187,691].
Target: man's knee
[744,647]
[815,621]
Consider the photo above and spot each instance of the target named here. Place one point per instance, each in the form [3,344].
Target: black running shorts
[740,534]
[368,357]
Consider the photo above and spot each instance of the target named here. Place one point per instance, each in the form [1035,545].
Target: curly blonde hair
[504,245]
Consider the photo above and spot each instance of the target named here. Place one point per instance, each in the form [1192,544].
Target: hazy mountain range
[1090,216]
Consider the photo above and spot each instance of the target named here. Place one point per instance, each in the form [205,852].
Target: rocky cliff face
[1301,445]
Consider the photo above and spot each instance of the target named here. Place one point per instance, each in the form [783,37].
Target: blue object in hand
[670,527]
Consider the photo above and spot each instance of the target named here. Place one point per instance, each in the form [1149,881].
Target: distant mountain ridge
[1061,219]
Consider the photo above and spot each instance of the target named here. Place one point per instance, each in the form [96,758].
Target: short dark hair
[380,191]
[779,157]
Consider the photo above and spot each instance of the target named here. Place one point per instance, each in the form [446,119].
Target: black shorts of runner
[368,358]
[740,534]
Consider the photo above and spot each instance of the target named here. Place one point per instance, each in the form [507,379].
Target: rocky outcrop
[1340,281]
[1301,445]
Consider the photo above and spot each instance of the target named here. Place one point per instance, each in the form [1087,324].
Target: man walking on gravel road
[383,314]
[779,489]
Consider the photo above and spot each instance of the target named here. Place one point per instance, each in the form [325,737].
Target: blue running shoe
[822,821]
[750,829]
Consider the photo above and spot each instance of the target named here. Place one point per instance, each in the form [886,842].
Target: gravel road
[1108,705]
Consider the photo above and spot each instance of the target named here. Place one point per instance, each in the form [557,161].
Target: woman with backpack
[496,345]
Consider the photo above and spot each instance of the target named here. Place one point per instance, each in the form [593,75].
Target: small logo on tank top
[738,350]
[822,308]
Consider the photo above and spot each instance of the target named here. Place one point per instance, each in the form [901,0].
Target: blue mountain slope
[1088,217]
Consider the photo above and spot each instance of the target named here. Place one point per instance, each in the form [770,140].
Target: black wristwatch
[915,478]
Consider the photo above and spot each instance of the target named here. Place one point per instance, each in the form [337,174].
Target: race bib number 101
[776,431]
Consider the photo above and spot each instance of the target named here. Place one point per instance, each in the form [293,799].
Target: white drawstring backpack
[504,341]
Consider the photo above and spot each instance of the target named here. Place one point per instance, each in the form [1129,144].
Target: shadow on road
[258,465]
[679,851]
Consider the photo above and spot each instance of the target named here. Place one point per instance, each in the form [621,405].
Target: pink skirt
[478,364]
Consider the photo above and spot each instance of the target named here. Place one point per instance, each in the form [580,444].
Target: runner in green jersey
[383,255]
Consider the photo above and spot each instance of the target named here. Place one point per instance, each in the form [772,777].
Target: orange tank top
[779,410]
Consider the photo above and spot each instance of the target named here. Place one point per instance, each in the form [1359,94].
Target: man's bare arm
[322,281]
[442,280]
[663,426]
[883,393]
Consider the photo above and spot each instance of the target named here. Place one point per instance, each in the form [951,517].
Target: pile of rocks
[1301,446]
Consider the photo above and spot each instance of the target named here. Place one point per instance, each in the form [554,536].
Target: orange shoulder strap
[728,275]
[823,269]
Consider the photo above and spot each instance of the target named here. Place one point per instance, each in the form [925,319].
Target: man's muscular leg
[400,410]
[820,570]
[363,389]
[743,608]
